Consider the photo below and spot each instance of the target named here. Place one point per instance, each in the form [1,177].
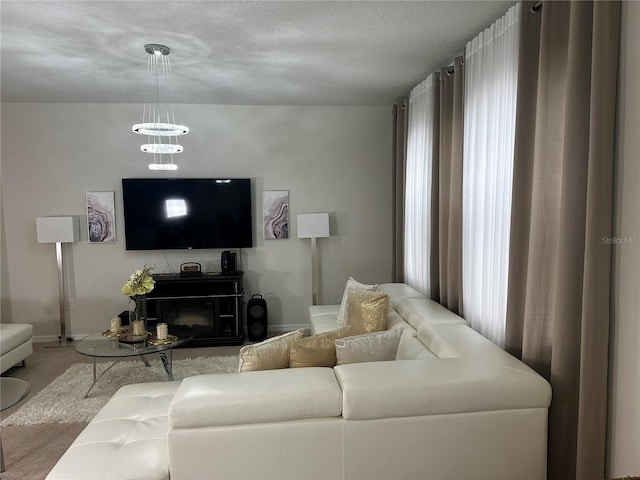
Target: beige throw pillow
[367,311]
[317,350]
[271,354]
[351,283]
[371,347]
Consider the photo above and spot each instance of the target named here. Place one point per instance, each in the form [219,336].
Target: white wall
[624,398]
[333,159]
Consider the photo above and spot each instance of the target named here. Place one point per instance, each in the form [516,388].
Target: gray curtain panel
[449,226]
[559,278]
[399,138]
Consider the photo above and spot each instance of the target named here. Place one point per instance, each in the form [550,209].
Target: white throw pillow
[271,354]
[371,347]
[351,283]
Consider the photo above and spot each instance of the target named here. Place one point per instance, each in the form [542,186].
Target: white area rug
[62,400]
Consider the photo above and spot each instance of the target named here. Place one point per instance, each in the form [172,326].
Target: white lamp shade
[313,225]
[57,229]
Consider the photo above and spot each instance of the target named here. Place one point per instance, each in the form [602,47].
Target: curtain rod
[536,7]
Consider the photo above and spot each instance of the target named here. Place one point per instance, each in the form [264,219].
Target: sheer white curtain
[491,80]
[418,193]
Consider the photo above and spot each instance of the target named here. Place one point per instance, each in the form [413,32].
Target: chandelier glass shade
[160,129]
[158,119]
[163,166]
[161,148]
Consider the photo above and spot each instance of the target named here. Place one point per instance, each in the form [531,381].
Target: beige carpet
[31,451]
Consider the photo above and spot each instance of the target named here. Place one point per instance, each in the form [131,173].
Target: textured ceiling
[270,52]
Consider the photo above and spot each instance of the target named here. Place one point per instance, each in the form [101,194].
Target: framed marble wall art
[101,218]
[275,214]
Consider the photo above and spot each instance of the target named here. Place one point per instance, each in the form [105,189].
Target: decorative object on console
[271,354]
[190,269]
[313,226]
[370,347]
[59,230]
[155,119]
[139,284]
[351,283]
[101,219]
[228,262]
[275,214]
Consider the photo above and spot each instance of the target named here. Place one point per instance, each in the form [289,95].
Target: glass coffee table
[99,345]
[12,392]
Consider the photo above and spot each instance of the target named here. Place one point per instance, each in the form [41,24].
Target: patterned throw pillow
[317,350]
[351,283]
[371,347]
[367,311]
[271,354]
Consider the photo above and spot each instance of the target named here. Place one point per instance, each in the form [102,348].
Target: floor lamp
[59,230]
[313,226]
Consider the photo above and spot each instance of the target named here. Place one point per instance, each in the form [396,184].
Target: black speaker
[257,318]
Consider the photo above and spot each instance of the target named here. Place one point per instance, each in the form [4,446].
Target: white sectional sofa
[15,344]
[451,406]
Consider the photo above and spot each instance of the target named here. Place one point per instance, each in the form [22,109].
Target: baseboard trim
[54,338]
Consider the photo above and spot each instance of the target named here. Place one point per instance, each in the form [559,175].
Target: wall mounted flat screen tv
[187,213]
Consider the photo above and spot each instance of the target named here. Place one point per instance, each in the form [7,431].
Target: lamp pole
[63,315]
[314,271]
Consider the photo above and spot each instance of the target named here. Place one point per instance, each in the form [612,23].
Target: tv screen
[186,213]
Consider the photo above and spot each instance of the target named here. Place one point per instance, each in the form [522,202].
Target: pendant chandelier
[158,120]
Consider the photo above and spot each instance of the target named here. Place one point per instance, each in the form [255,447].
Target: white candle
[115,325]
[162,331]
[137,327]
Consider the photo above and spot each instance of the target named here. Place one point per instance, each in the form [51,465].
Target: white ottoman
[15,344]
[126,440]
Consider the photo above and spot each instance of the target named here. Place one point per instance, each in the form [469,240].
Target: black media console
[209,306]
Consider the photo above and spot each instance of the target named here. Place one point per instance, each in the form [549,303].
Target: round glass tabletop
[99,345]
[12,391]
